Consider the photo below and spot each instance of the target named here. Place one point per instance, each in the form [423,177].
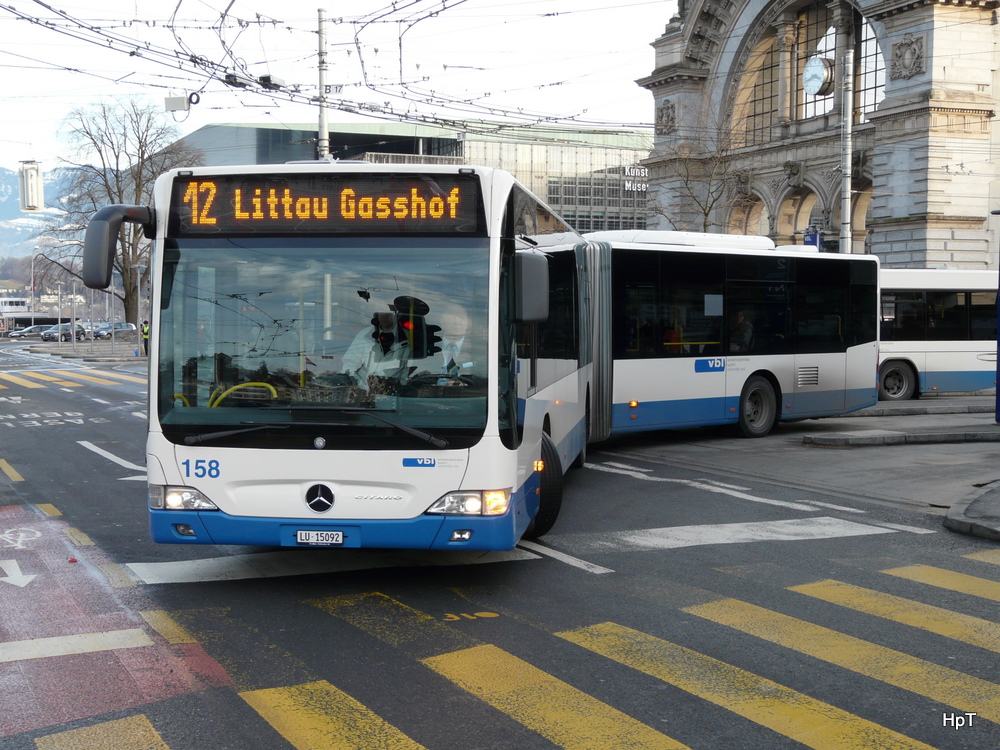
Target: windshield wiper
[205,437]
[432,440]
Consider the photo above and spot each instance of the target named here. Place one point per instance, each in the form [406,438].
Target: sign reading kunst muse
[631,183]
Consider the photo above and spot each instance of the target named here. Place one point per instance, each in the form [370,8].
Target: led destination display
[212,205]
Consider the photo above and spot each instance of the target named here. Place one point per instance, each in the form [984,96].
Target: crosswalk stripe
[318,716]
[954,625]
[81,376]
[949,579]
[20,381]
[132,733]
[557,711]
[540,702]
[991,556]
[123,376]
[811,722]
[50,379]
[938,683]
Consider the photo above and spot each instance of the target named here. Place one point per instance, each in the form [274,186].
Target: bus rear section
[702,330]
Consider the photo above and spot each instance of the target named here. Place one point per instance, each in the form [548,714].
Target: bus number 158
[202,468]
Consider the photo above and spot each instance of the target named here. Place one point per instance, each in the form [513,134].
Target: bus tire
[758,407]
[896,381]
[550,496]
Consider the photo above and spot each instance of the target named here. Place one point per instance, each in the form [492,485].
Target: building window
[757,104]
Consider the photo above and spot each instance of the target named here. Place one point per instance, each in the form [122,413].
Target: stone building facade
[750,99]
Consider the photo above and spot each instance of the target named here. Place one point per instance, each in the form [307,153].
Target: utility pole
[847,115]
[323,141]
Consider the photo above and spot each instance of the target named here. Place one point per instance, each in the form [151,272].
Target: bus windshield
[292,342]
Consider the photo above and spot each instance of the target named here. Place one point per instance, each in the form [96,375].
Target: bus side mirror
[101,241]
[531,283]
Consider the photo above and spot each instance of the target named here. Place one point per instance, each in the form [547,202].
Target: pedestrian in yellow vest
[145,337]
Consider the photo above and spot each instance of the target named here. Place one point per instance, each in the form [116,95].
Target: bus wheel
[896,381]
[550,498]
[758,407]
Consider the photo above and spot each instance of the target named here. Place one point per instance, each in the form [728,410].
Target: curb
[959,520]
[902,438]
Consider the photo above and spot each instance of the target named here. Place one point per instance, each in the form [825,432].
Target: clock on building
[817,76]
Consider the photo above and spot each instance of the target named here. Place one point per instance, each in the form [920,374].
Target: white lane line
[307,562]
[673,537]
[702,485]
[64,645]
[563,557]
[902,527]
[111,456]
[831,506]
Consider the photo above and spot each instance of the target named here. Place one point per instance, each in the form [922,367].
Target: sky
[529,61]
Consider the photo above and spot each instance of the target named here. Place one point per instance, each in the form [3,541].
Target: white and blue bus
[699,329]
[939,331]
[356,355]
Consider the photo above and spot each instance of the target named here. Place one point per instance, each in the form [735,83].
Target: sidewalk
[928,422]
[125,348]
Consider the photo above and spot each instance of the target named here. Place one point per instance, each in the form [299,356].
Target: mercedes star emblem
[319,498]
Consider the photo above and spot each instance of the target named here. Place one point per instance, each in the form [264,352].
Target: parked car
[63,332]
[103,330]
[31,332]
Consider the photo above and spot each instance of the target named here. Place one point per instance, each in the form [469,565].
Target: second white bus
[939,331]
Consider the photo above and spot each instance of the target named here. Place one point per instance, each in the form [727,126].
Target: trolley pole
[323,139]
[996,403]
[847,116]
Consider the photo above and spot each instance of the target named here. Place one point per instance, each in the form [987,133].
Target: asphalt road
[698,590]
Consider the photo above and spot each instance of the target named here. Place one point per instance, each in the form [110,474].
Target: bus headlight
[473,503]
[178,498]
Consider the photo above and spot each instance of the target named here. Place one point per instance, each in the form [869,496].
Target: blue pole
[996,403]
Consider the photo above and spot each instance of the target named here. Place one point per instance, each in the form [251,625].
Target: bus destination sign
[246,204]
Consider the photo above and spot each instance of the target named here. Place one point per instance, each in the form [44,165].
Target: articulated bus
[700,329]
[939,331]
[356,355]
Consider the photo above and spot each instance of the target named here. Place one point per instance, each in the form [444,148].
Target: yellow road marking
[49,509]
[63,645]
[991,556]
[938,683]
[318,716]
[81,376]
[167,626]
[9,470]
[559,712]
[954,625]
[792,714]
[116,575]
[78,537]
[122,376]
[947,579]
[50,379]
[20,381]
[133,733]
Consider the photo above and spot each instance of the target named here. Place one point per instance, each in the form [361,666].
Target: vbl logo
[428,462]
[716,364]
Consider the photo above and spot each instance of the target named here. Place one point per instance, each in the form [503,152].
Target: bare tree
[703,177]
[120,148]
